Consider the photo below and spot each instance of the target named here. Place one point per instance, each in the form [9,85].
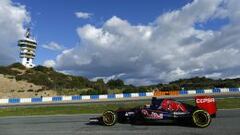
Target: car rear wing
[207,103]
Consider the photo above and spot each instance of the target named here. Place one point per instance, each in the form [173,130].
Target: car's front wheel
[201,118]
[109,118]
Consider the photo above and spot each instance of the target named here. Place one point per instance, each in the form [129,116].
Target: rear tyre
[201,118]
[109,118]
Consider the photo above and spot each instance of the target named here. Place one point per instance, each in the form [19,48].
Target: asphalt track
[226,123]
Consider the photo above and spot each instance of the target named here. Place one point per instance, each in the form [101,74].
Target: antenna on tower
[28,34]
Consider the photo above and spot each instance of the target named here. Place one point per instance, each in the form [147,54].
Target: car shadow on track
[145,124]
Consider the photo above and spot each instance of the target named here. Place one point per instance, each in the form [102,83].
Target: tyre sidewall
[114,116]
[194,121]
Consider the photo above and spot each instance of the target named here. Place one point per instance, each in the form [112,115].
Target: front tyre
[201,118]
[109,118]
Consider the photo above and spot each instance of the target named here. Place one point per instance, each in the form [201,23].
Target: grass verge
[91,108]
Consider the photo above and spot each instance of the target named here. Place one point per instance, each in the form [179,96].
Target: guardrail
[123,96]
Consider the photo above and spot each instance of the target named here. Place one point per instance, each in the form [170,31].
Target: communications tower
[27,49]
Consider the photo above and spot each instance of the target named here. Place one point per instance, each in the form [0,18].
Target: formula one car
[163,110]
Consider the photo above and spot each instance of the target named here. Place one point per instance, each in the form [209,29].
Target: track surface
[226,123]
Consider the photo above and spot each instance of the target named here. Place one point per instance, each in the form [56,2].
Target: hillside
[40,80]
[18,81]
[43,81]
[11,88]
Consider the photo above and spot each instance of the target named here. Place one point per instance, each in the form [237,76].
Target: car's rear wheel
[109,118]
[201,118]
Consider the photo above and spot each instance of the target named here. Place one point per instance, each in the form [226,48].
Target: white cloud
[83,15]
[49,63]
[167,49]
[106,79]
[53,46]
[12,18]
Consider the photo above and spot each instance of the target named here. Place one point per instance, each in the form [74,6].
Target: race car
[162,111]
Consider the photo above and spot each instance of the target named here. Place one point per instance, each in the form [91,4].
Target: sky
[140,41]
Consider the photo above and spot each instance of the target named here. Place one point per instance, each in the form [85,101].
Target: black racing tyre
[109,118]
[201,118]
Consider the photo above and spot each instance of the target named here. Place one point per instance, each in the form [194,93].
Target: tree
[100,86]
[115,83]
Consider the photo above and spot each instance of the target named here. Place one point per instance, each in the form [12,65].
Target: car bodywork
[162,111]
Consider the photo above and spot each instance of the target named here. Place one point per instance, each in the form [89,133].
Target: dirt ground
[10,88]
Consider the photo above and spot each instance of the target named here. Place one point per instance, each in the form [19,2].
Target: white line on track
[57,115]
[230,109]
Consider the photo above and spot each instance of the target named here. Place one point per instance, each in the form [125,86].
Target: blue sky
[55,20]
[140,41]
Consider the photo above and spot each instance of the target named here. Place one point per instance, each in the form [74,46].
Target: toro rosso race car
[162,111]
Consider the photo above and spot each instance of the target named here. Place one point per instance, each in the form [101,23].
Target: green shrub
[20,91]
[30,90]
[43,69]
[17,65]
[8,71]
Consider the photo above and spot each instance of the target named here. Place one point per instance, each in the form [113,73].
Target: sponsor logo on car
[152,115]
[129,113]
[205,100]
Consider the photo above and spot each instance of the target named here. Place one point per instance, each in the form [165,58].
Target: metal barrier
[56,99]
[14,100]
[36,100]
[199,91]
[76,97]
[95,97]
[116,96]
